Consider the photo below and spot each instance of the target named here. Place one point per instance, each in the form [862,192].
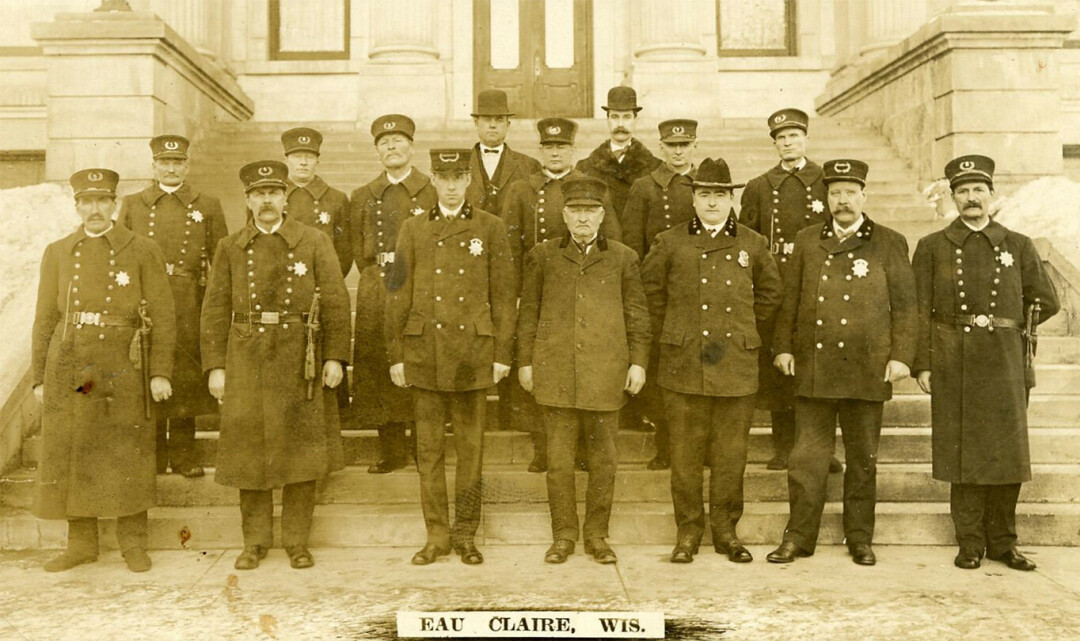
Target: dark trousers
[175,443]
[563,427]
[783,432]
[651,403]
[808,467]
[130,533]
[466,411]
[393,442]
[984,516]
[297,510]
[714,429]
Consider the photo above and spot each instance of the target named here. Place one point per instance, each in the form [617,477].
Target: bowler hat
[492,102]
[621,99]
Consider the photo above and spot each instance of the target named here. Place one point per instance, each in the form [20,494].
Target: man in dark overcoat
[309,200]
[99,287]
[186,224]
[977,283]
[778,205]
[846,331]
[660,201]
[709,281]
[533,213]
[449,333]
[583,344]
[378,210]
[494,165]
[272,349]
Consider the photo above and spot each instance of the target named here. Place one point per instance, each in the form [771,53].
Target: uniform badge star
[324,218]
[122,279]
[744,259]
[298,268]
[817,206]
[195,215]
[860,268]
[416,211]
[476,247]
[1005,258]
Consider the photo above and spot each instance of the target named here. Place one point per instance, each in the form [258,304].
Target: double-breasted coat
[379,208]
[656,203]
[637,162]
[253,323]
[979,400]
[451,302]
[706,295]
[849,309]
[97,447]
[778,205]
[187,225]
[582,323]
[319,205]
[486,194]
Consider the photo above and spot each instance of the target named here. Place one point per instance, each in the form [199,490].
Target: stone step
[1051,378]
[631,523]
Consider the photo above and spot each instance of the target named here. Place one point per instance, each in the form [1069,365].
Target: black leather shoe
[659,462]
[787,553]
[428,554]
[734,550]
[600,551]
[250,557]
[68,560]
[835,466]
[469,554]
[862,554]
[192,471]
[684,551]
[1016,561]
[777,463]
[385,466]
[137,560]
[559,551]
[299,557]
[968,559]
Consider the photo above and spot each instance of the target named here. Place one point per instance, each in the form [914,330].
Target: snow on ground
[1046,208]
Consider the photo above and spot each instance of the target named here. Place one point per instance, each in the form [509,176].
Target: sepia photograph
[539,319]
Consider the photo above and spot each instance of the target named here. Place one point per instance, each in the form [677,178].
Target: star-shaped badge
[122,279]
[476,247]
[324,218]
[298,268]
[195,215]
[860,268]
[817,206]
[744,259]
[416,211]
[1005,258]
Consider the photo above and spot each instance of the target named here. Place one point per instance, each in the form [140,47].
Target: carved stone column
[197,21]
[664,33]
[890,21]
[403,30]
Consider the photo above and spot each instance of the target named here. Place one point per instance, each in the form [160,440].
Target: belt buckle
[170,268]
[89,318]
[269,318]
[384,258]
[982,320]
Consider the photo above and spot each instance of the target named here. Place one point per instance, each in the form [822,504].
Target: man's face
[790,143]
[678,155]
[451,187]
[395,150]
[96,211]
[973,200]
[846,201]
[621,125]
[171,172]
[302,166]
[583,220]
[556,157]
[267,203]
[492,129]
[712,204]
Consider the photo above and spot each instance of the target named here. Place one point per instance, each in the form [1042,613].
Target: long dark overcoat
[271,435]
[656,203]
[619,176]
[97,447]
[583,321]
[187,225]
[979,400]
[319,205]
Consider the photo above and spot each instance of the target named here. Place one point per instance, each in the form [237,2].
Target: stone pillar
[665,33]
[403,30]
[117,79]
[197,21]
[670,69]
[890,21]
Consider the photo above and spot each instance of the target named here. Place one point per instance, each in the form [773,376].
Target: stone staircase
[358,509]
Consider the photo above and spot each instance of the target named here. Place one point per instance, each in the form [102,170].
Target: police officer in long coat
[276,332]
[186,224]
[449,331]
[778,205]
[658,202]
[102,289]
[533,213]
[583,344]
[709,281]
[378,210]
[494,165]
[309,199]
[978,282]
[846,331]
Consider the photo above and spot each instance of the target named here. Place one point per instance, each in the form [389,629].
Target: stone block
[1016,153]
[104,117]
[978,111]
[127,156]
[988,69]
[118,75]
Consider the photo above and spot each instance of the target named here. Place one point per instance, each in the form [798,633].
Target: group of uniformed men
[573,289]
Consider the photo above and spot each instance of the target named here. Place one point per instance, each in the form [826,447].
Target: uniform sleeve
[785,319]
[399,288]
[160,307]
[216,311]
[342,234]
[512,203]
[217,228]
[636,313]
[529,312]
[357,212]
[1037,285]
[334,304]
[46,314]
[749,213]
[768,290]
[923,267]
[634,214]
[903,303]
[502,292]
[610,226]
[654,273]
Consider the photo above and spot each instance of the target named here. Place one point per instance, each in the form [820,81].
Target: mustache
[622,130]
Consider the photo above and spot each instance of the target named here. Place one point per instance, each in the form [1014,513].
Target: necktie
[620,154]
[490,151]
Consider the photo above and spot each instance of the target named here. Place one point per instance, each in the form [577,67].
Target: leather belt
[979,320]
[183,272]
[269,318]
[384,258]
[98,319]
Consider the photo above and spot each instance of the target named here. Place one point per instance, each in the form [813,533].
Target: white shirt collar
[100,234]
[847,231]
[450,213]
[973,227]
[588,244]
[615,147]
[556,176]
[398,181]
[170,190]
[272,229]
[798,166]
[498,149]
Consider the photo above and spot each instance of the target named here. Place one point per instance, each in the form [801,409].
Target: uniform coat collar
[571,252]
[538,180]
[808,175]
[118,237]
[830,244]
[957,232]
[186,194]
[444,228]
[413,183]
[317,187]
[706,240]
[290,230]
[663,175]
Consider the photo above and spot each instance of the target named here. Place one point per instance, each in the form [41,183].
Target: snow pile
[1046,208]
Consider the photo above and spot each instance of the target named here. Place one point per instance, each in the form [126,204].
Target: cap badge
[967,165]
[842,167]
[450,157]
[554,131]
[678,130]
[390,124]
[172,145]
[266,170]
[95,177]
[780,118]
[303,140]
[476,247]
